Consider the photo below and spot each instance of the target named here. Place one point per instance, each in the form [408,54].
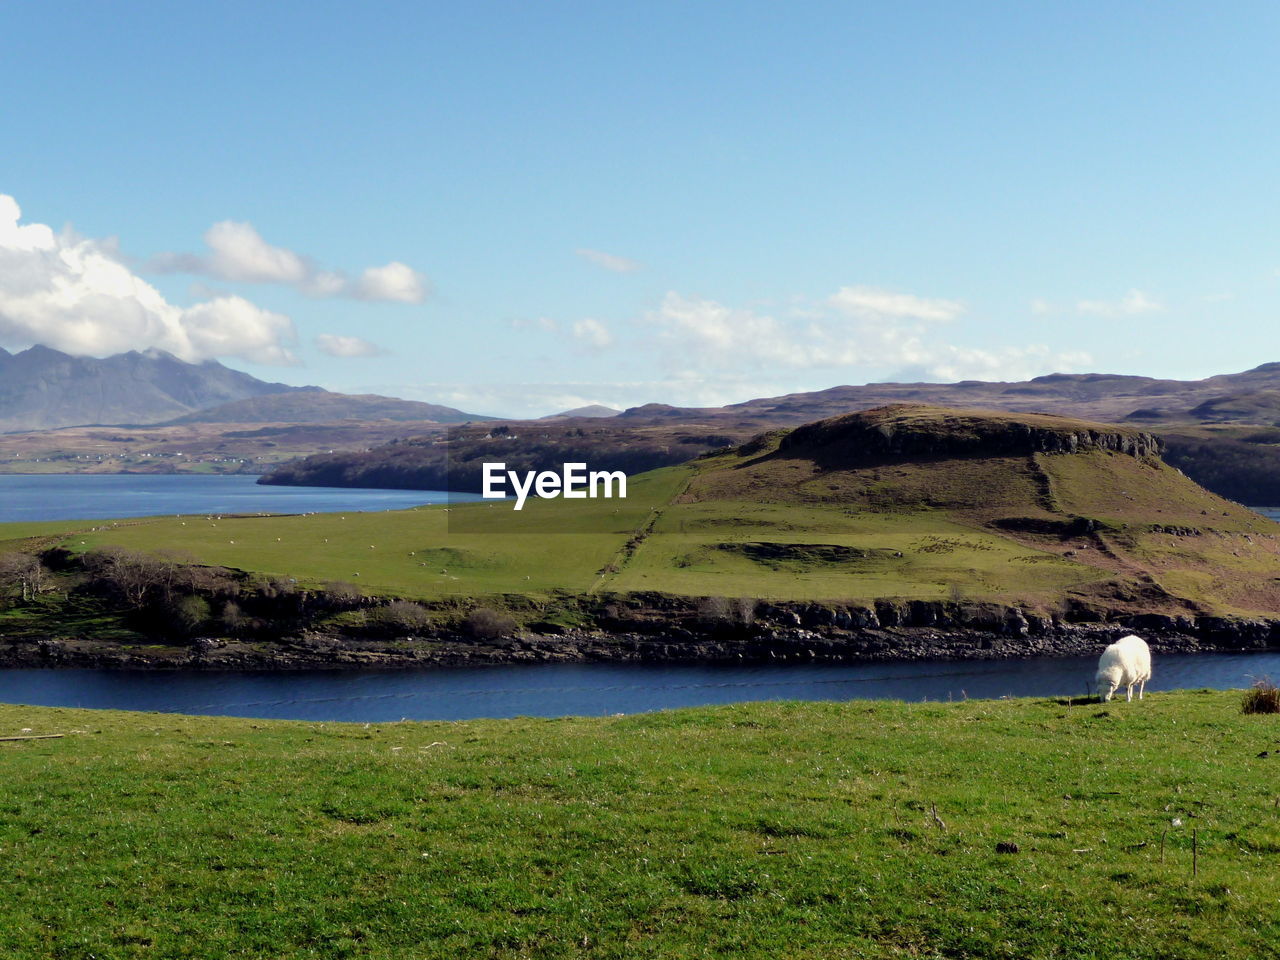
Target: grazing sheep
[1123,664]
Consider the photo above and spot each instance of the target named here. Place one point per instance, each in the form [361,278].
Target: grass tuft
[1262,697]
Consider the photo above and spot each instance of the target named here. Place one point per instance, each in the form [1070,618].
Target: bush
[342,595]
[401,616]
[485,624]
[187,614]
[1263,697]
[233,618]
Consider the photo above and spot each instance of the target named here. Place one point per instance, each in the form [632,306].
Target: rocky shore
[903,632]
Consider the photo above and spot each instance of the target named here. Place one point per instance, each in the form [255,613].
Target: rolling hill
[900,503]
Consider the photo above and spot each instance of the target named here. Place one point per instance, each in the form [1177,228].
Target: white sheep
[1123,664]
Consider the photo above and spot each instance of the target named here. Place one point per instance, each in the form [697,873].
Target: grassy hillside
[763,830]
[906,501]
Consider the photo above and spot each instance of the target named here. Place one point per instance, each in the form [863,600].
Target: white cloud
[726,337]
[874,302]
[1041,307]
[237,253]
[234,327]
[949,363]
[593,333]
[395,282]
[862,328]
[609,261]
[1132,304]
[347,347]
[75,295]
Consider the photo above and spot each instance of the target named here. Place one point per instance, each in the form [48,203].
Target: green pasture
[768,830]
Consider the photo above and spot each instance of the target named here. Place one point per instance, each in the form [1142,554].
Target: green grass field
[471,549]
[823,523]
[480,549]
[753,831]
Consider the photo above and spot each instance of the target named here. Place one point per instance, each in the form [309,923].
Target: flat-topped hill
[916,430]
[1101,512]
[907,457]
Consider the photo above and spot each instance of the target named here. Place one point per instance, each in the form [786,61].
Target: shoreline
[883,645]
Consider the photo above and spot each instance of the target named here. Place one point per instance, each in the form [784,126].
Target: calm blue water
[106,496]
[562,689]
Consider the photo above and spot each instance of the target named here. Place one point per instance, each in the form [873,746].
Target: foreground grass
[762,830]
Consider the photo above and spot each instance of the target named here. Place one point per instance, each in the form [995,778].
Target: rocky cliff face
[910,431]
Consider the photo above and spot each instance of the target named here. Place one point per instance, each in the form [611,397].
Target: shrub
[401,616]
[187,614]
[342,595]
[233,618]
[1262,697]
[485,624]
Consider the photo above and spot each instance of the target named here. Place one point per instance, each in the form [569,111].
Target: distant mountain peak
[598,410]
[43,388]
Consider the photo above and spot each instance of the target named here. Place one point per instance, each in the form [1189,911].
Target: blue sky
[560,203]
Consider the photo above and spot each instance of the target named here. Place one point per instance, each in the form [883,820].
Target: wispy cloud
[237,253]
[859,329]
[347,347]
[609,261]
[593,333]
[75,294]
[875,302]
[1132,304]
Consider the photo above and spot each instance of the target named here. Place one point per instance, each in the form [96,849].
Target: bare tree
[25,572]
[138,577]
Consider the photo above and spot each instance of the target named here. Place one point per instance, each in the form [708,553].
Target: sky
[517,208]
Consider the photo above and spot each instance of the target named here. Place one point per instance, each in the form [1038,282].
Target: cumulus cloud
[237,253]
[609,261]
[1132,304]
[347,347]
[74,294]
[395,282]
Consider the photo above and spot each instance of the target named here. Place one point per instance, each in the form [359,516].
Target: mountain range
[1223,431]
[43,389]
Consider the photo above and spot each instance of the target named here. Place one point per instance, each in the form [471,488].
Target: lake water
[458,693]
[590,689]
[110,496]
